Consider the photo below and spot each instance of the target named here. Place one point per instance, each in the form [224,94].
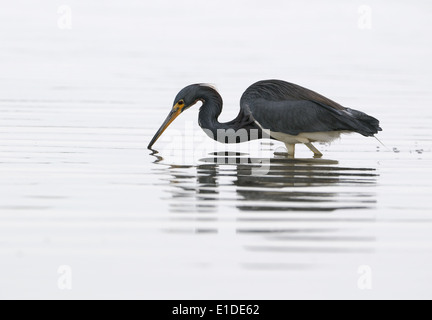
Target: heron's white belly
[304,137]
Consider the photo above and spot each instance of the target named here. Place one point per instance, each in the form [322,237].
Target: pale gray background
[78,188]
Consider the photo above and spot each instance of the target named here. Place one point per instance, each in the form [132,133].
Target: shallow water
[198,219]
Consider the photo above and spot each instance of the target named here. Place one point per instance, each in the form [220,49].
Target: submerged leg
[317,153]
[290,150]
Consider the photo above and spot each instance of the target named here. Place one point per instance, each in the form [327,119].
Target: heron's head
[185,99]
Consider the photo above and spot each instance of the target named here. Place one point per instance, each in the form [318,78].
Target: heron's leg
[316,152]
[290,149]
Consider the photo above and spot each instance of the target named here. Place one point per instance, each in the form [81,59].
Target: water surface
[198,219]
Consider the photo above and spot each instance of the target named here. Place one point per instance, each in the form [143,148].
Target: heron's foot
[283,154]
[289,154]
[317,153]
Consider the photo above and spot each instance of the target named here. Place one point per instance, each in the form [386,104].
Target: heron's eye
[180,103]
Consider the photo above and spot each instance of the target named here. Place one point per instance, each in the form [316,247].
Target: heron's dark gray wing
[297,116]
[279,90]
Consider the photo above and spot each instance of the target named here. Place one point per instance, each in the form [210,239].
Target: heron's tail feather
[364,124]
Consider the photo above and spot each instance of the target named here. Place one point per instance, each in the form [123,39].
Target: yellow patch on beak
[178,107]
[176,110]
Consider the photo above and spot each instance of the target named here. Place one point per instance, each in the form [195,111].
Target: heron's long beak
[172,115]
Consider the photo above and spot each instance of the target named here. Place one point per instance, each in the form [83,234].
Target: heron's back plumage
[284,107]
[278,90]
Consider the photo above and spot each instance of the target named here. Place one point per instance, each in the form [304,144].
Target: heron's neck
[210,110]
[243,127]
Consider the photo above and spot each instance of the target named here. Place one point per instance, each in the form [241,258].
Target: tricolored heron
[278,109]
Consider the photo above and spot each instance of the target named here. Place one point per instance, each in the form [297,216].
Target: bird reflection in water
[283,184]
[308,191]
